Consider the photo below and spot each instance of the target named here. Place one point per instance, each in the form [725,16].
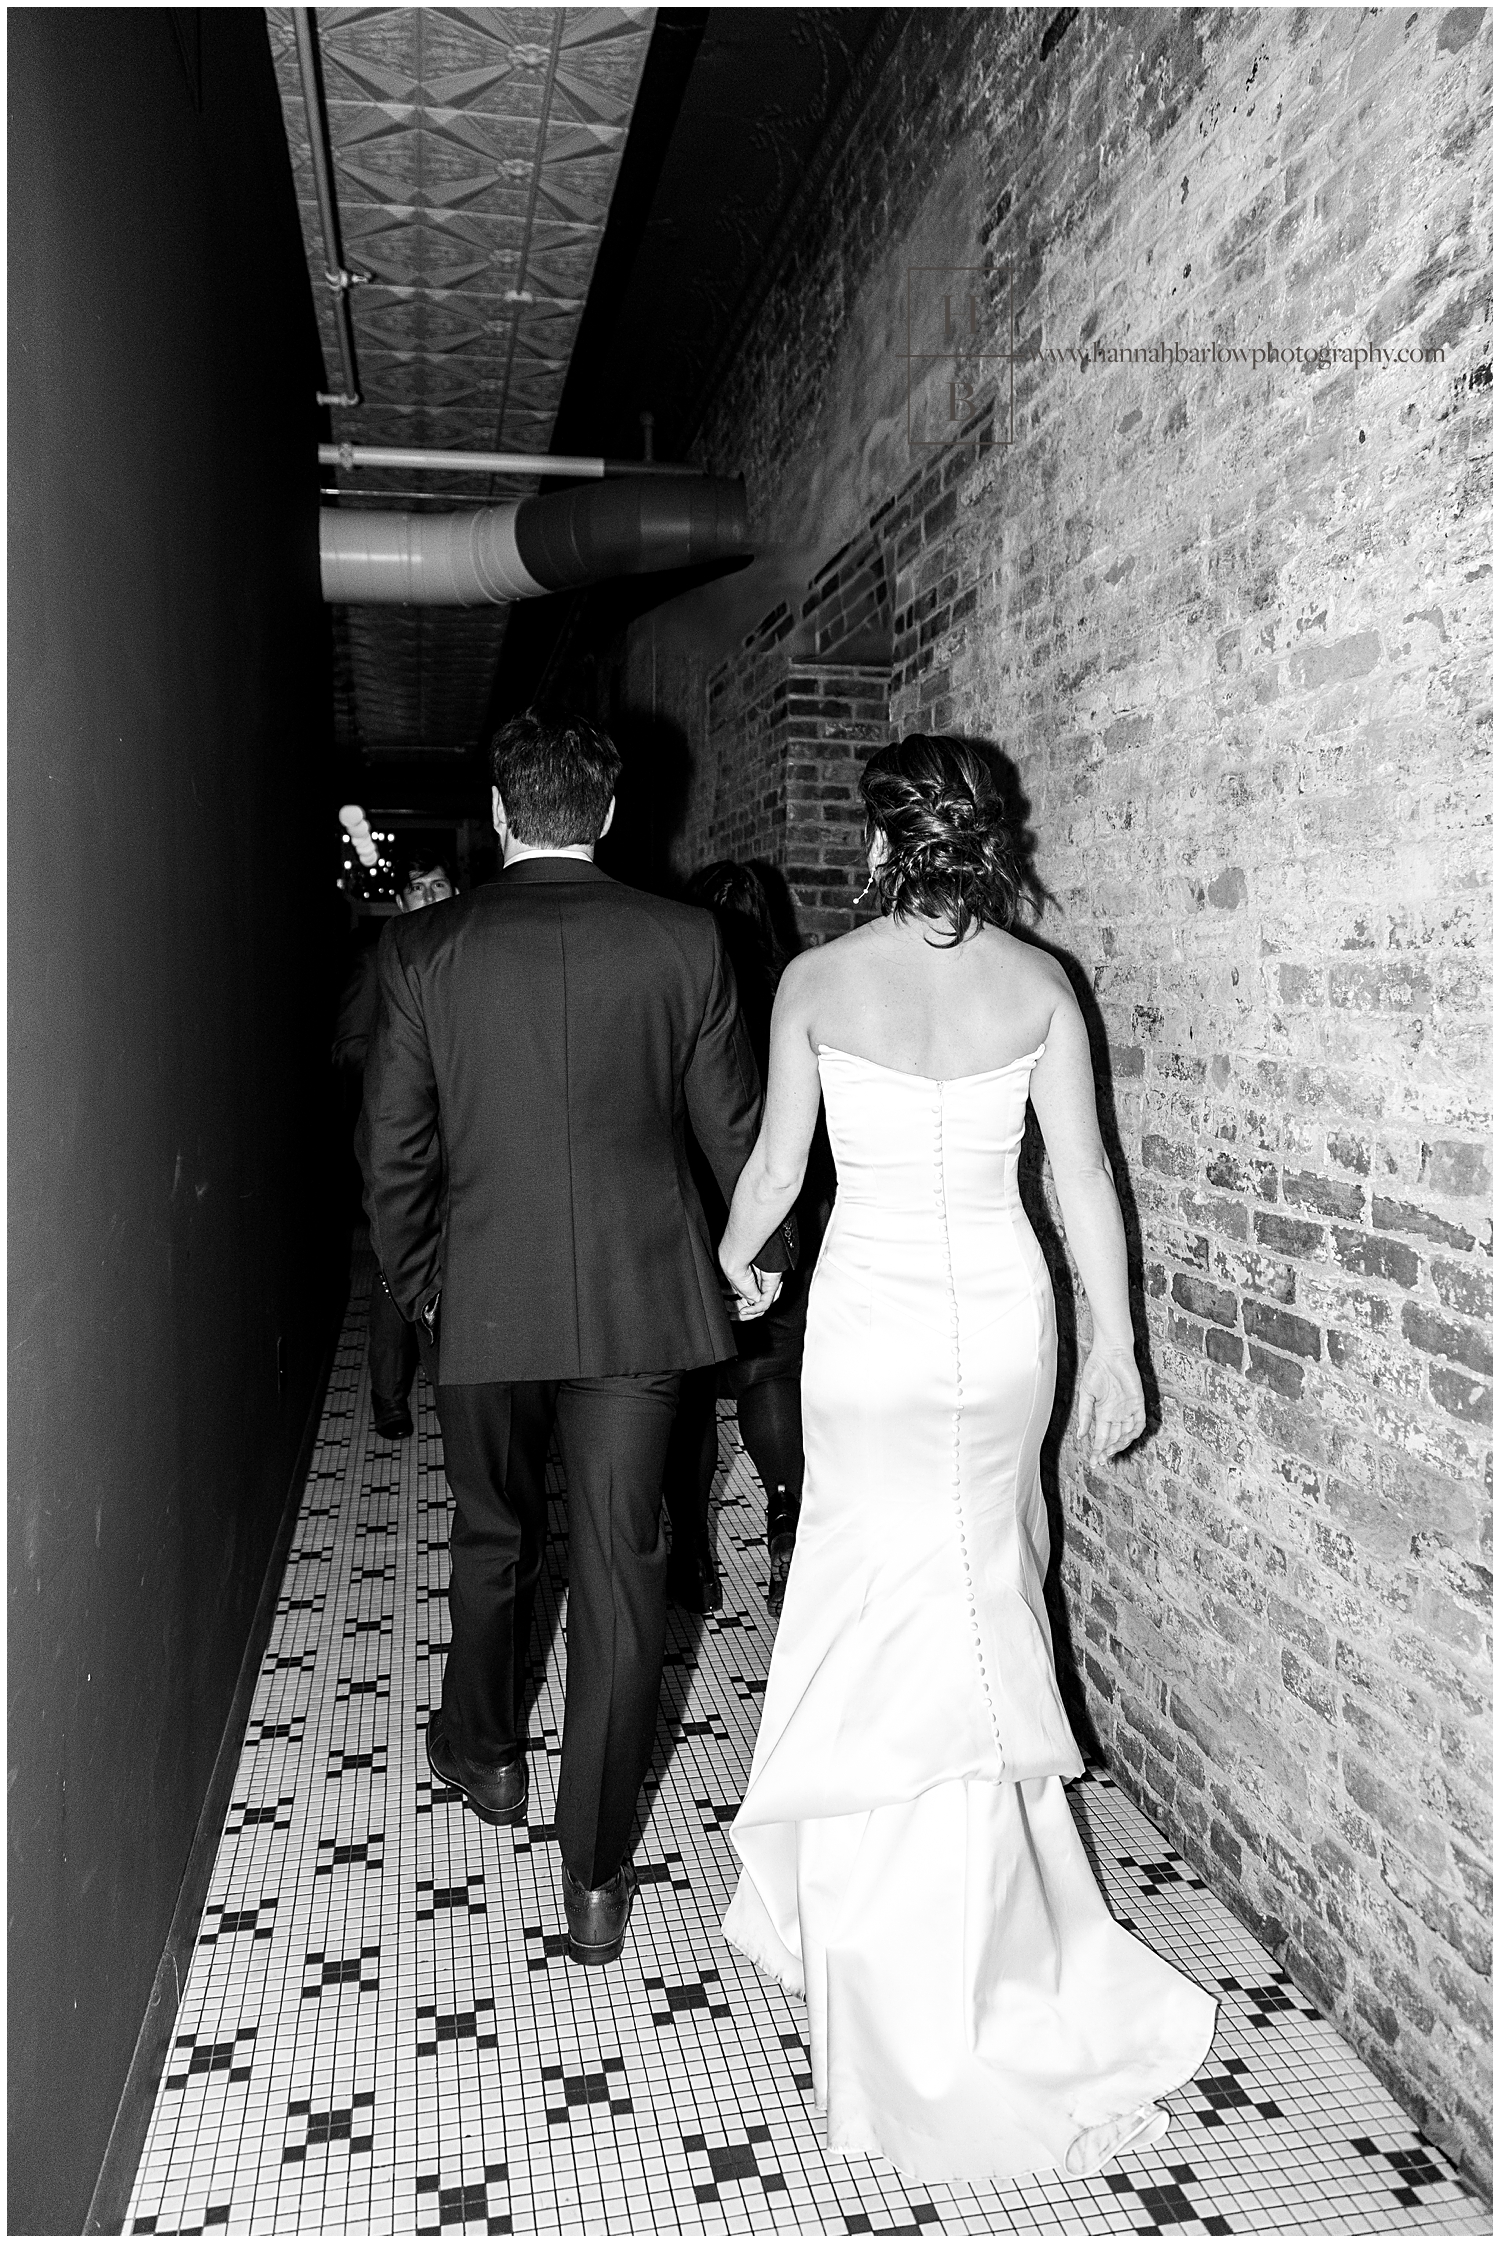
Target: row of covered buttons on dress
[941,1196]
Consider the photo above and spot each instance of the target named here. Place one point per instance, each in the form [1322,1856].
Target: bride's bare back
[889,994]
[886,994]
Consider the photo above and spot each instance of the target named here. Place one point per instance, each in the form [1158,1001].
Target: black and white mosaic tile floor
[382,2033]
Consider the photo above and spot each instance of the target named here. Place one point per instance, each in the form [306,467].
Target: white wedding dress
[910,1865]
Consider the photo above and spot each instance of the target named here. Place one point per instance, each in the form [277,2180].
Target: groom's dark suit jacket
[541,1043]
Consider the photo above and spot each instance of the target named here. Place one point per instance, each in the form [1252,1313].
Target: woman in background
[766,1375]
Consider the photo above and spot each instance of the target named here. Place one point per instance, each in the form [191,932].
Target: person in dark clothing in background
[392,1351]
[424,880]
[765,1376]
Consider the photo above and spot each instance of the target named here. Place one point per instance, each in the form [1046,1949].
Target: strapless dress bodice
[944,1150]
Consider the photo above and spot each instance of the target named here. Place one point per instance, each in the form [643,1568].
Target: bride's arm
[772,1177]
[1111,1404]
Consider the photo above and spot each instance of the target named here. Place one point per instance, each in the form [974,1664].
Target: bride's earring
[875,863]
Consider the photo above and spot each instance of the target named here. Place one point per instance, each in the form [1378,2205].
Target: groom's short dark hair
[556,776]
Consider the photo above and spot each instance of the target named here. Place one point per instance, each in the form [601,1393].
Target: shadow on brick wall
[1050,1238]
[1005,777]
[1039,1212]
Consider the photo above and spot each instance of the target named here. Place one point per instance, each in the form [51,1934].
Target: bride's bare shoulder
[815,976]
[827,963]
[799,980]
[1031,965]
[1034,980]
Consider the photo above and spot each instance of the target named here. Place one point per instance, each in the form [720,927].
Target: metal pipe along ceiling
[339,279]
[494,554]
[349,456]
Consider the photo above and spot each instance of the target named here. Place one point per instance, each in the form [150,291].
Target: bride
[910,1865]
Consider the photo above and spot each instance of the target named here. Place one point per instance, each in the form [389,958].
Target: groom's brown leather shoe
[496,1794]
[597,1918]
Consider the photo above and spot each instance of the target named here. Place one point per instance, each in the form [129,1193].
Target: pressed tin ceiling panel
[475,152]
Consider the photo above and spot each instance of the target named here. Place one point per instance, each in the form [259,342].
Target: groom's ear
[498,818]
[609,818]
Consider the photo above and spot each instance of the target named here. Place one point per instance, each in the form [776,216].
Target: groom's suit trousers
[613,1433]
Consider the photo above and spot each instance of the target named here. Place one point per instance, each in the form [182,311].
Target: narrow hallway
[382,2034]
[1098,402]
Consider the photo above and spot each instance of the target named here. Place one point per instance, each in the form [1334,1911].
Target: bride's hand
[1111,1400]
[751,1290]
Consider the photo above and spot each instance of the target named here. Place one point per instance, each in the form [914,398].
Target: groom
[541,1044]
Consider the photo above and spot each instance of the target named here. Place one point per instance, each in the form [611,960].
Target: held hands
[749,1291]
[1111,1402]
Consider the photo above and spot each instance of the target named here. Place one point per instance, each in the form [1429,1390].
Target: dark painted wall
[172,1246]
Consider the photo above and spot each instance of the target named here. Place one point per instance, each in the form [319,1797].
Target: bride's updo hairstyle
[950,856]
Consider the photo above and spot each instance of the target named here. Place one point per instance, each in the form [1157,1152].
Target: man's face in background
[423,888]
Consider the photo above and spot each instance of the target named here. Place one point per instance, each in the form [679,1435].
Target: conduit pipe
[350,456]
[494,554]
[339,279]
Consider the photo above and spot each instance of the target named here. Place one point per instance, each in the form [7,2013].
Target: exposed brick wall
[933,92]
[786,741]
[1238,634]
[848,607]
[837,715]
[1233,625]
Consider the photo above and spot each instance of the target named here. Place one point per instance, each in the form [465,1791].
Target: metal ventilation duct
[490,555]
[473,158]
